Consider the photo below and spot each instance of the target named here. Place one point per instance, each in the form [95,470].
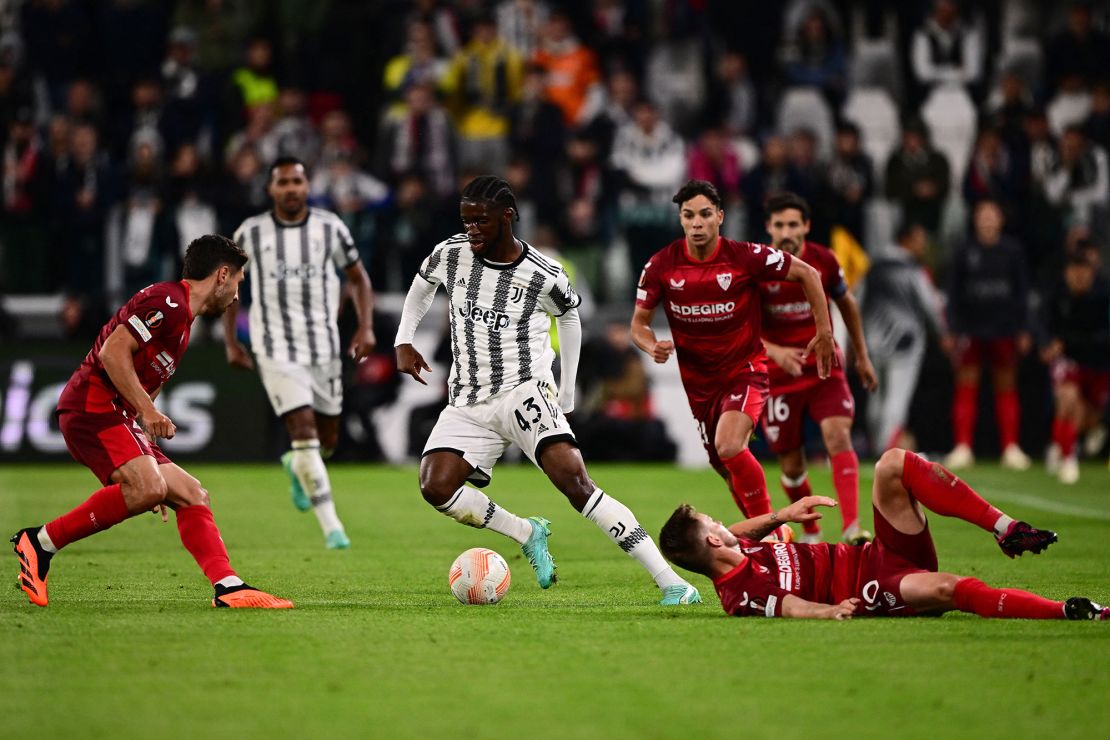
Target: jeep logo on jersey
[724,280]
[153,319]
[495,320]
[703,309]
[285,270]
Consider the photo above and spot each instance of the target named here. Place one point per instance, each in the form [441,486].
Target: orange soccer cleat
[34,564]
[245,597]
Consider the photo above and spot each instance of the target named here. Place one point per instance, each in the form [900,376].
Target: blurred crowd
[128,127]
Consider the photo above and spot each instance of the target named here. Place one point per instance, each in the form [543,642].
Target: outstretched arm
[822,342]
[117,356]
[643,336]
[417,303]
[363,342]
[569,326]
[802,510]
[798,608]
[849,310]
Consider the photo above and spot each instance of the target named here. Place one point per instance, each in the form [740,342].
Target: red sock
[845,475]
[1064,433]
[797,492]
[940,491]
[202,539]
[105,508]
[1008,412]
[973,596]
[964,410]
[749,485]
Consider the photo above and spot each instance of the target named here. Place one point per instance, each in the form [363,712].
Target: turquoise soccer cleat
[535,549]
[680,593]
[296,492]
[337,540]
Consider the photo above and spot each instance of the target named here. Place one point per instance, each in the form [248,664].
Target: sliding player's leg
[937,592]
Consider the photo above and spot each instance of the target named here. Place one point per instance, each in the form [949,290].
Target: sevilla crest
[724,280]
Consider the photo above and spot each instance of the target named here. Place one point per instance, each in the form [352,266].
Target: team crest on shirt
[516,294]
[153,319]
[724,280]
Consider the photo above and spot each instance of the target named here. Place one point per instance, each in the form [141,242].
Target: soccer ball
[479,576]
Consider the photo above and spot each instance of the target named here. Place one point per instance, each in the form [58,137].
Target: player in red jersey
[796,390]
[108,419]
[708,286]
[895,575]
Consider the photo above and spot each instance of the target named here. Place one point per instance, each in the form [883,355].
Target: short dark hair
[680,540]
[205,255]
[782,201]
[491,189]
[285,161]
[694,188]
[906,228]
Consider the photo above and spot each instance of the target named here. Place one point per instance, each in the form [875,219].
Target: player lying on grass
[895,575]
[109,422]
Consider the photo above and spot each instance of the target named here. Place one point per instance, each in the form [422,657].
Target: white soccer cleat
[961,456]
[1095,439]
[1014,459]
[1069,471]
[811,539]
[1052,459]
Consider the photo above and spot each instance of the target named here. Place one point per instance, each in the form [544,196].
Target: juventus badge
[517,294]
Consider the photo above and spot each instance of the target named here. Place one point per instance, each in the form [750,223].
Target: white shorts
[528,415]
[291,386]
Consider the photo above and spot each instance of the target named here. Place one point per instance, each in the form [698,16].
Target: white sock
[615,520]
[230,581]
[45,541]
[473,508]
[311,473]
[793,482]
[1000,526]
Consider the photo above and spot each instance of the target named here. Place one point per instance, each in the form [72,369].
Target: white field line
[1044,504]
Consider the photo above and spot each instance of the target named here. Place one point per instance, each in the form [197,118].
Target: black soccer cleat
[1079,608]
[1020,537]
[34,564]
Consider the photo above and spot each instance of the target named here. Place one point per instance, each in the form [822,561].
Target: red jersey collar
[734,572]
[188,308]
[710,258]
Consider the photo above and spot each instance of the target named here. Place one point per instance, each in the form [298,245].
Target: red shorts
[104,442]
[746,394]
[1093,384]
[785,412]
[891,557]
[1001,352]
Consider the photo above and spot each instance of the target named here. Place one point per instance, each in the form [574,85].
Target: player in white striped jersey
[294,255]
[501,389]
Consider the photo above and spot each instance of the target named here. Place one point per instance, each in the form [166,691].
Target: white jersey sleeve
[560,297]
[344,252]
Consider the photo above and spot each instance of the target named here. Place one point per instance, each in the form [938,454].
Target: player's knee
[151,491]
[194,494]
[889,466]
[576,486]
[435,489]
[945,590]
[730,448]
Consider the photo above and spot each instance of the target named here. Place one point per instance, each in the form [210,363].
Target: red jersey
[159,318]
[824,573]
[788,318]
[713,308]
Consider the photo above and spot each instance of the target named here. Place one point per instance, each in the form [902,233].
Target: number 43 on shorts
[531,414]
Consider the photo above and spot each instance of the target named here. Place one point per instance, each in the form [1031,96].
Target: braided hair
[491,189]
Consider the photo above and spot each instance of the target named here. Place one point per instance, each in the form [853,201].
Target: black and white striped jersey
[294,284]
[500,317]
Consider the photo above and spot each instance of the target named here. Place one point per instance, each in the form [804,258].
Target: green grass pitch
[377,646]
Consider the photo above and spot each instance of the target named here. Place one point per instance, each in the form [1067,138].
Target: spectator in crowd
[221,28]
[536,130]
[1078,181]
[520,23]
[1077,349]
[243,192]
[483,82]
[621,95]
[917,177]
[189,209]
[945,50]
[1079,49]
[186,90]
[815,57]
[419,64]
[775,173]
[444,22]
[337,138]
[733,97]
[801,147]
[676,75]
[573,77]
[83,103]
[293,133]
[340,186]
[650,161]
[414,219]
[991,175]
[1070,105]
[988,293]
[419,138]
[144,114]
[585,223]
[1007,107]
[26,177]
[1097,125]
[619,31]
[254,84]
[58,38]
[848,184]
[714,160]
[900,306]
[258,133]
